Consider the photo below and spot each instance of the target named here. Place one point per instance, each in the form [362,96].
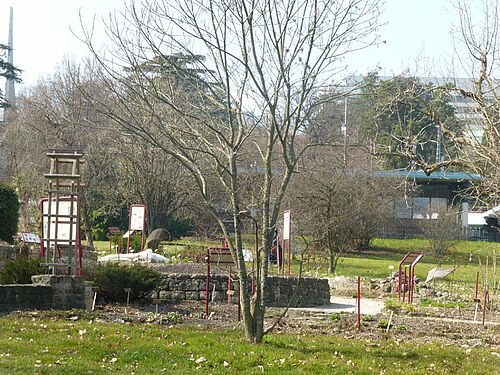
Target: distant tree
[442,228]
[341,210]
[8,71]
[400,114]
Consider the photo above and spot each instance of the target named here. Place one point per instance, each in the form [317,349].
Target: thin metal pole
[359,304]
[477,283]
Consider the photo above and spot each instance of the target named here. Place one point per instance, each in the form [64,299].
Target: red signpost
[409,261]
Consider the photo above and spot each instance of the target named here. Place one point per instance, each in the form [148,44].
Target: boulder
[155,237]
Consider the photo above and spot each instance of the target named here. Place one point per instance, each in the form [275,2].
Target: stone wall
[46,292]
[7,252]
[309,292]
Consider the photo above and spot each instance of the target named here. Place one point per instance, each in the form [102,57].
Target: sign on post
[30,237]
[286,236]
[286,225]
[137,217]
[137,220]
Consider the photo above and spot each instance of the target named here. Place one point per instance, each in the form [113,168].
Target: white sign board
[63,229]
[128,234]
[286,225]
[30,237]
[137,215]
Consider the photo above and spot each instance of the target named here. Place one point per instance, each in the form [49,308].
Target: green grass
[58,346]
[373,263]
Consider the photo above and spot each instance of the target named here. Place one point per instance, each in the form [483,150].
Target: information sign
[137,216]
[286,225]
[30,237]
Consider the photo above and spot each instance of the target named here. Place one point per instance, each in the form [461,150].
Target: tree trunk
[86,225]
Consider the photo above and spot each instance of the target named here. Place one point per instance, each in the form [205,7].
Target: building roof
[435,176]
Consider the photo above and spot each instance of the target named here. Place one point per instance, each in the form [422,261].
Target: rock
[342,283]
[155,237]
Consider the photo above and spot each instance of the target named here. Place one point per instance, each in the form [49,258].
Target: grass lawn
[61,346]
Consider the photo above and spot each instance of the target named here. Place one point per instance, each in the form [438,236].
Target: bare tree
[263,63]
[342,205]
[442,228]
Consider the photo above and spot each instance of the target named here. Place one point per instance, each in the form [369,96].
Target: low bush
[382,323]
[20,270]
[112,278]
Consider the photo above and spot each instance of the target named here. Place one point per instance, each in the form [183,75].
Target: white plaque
[31,237]
[63,226]
[286,225]
[137,214]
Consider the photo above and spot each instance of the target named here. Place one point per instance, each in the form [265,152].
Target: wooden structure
[220,256]
[61,211]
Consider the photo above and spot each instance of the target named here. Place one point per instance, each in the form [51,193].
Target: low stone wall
[47,292]
[309,291]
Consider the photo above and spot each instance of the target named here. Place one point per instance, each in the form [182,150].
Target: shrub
[20,270]
[334,316]
[112,278]
[382,323]
[9,213]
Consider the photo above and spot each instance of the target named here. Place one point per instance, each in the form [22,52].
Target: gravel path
[369,306]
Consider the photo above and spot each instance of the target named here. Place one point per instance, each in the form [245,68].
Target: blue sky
[416,35]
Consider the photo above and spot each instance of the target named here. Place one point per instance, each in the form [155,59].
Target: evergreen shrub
[9,213]
[20,270]
[112,278]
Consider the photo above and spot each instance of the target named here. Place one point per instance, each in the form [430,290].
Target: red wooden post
[484,304]
[289,255]
[359,305]
[410,284]
[404,285]
[399,282]
[283,258]
[208,282]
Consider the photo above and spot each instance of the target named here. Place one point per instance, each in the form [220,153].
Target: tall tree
[476,142]
[8,71]
[401,114]
[266,60]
